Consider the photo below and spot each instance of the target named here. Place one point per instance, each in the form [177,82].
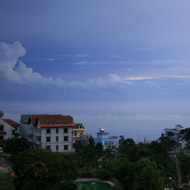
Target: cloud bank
[15,71]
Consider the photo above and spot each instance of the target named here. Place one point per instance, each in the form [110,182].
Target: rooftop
[11,122]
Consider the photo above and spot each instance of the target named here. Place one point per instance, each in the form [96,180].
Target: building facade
[173,134]
[106,140]
[8,129]
[49,132]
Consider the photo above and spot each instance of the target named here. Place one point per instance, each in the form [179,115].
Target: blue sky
[120,65]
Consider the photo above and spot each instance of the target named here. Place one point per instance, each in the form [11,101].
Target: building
[106,140]
[173,134]
[50,132]
[79,136]
[8,129]
[78,130]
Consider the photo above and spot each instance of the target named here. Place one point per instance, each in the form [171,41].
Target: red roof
[52,120]
[11,122]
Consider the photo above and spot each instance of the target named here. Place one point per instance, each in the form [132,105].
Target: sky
[119,65]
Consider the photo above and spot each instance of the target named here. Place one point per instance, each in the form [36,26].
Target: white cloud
[110,80]
[81,55]
[15,71]
[50,59]
[91,63]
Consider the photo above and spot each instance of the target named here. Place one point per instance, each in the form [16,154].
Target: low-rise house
[8,129]
[106,140]
[50,132]
[15,125]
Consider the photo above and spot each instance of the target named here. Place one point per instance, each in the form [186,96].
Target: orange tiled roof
[52,120]
[11,122]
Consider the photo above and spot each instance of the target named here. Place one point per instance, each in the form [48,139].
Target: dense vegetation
[131,166]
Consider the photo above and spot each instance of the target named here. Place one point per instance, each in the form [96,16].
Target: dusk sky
[121,65]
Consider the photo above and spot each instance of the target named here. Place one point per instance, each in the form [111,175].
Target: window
[48,131]
[57,139]
[66,147]
[57,130]
[57,147]
[48,147]
[39,138]
[65,130]
[66,138]
[31,136]
[1,128]
[1,137]
[48,139]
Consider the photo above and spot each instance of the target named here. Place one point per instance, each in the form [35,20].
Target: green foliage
[6,182]
[107,170]
[147,175]
[125,174]
[99,149]
[42,170]
[16,145]
[184,162]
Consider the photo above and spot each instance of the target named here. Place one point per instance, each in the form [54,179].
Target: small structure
[106,140]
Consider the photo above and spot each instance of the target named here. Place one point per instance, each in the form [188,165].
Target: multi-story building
[106,140]
[8,129]
[78,130]
[173,134]
[50,132]
[79,135]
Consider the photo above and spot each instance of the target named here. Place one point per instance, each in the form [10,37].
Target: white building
[173,133]
[8,129]
[50,132]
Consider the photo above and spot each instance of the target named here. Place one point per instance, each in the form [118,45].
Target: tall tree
[147,175]
[16,145]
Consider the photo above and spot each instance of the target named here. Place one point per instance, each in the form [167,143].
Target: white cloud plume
[15,71]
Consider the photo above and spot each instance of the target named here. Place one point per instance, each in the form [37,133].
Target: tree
[99,149]
[147,175]
[185,135]
[16,145]
[184,162]
[40,169]
[125,174]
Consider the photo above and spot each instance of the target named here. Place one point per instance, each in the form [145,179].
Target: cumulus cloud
[110,80]
[15,71]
